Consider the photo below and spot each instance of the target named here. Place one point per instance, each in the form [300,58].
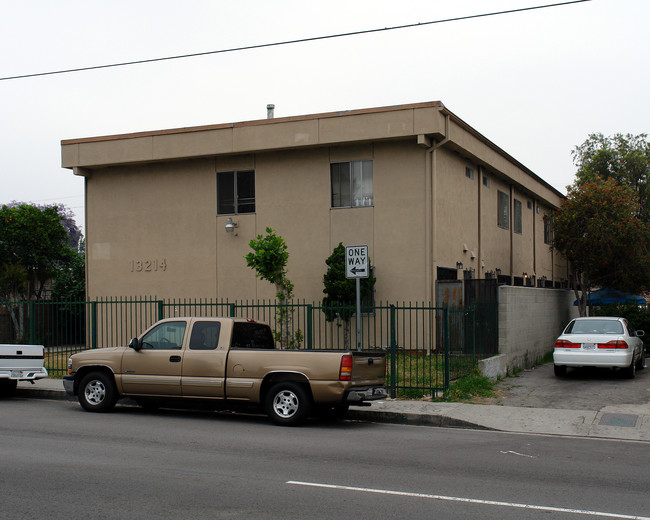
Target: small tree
[598,230]
[341,292]
[269,260]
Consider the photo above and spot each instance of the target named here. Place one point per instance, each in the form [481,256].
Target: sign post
[357,267]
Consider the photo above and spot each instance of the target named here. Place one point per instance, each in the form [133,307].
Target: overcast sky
[536,83]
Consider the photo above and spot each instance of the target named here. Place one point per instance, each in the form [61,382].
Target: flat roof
[255,136]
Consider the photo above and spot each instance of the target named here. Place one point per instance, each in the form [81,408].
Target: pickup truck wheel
[97,392]
[287,404]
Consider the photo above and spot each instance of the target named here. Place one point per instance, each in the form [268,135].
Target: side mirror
[135,344]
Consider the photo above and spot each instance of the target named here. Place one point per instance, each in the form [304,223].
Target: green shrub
[473,385]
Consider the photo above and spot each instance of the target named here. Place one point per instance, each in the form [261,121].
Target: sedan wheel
[640,365]
[559,370]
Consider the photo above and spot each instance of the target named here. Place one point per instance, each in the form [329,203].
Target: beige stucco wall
[153,229]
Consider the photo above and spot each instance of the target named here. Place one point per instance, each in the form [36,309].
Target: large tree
[624,158]
[36,245]
[598,229]
[341,292]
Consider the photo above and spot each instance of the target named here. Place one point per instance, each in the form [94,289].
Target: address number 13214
[148,266]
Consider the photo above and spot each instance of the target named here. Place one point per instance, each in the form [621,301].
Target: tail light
[563,343]
[619,343]
[346,368]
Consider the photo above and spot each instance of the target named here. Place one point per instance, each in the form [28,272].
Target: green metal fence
[427,347]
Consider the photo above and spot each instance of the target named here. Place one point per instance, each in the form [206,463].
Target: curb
[43,394]
[413,419]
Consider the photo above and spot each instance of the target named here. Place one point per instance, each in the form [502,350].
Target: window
[235,192]
[517,226]
[252,335]
[548,230]
[205,335]
[166,336]
[351,184]
[469,172]
[503,209]
[486,180]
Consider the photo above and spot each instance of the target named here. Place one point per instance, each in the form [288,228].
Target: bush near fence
[426,347]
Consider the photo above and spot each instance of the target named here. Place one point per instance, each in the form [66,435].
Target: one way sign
[356,262]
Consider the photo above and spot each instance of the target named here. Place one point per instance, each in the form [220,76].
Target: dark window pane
[340,175]
[250,335]
[548,230]
[503,215]
[225,193]
[245,192]
[205,335]
[518,228]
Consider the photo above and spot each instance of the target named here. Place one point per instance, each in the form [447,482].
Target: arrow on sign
[356,270]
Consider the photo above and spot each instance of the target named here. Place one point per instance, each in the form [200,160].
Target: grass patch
[468,387]
[419,376]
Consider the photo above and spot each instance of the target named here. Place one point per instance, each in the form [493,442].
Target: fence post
[32,323]
[393,352]
[446,342]
[473,307]
[161,310]
[93,325]
[233,312]
[310,327]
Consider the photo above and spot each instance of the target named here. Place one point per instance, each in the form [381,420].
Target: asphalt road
[57,461]
[581,389]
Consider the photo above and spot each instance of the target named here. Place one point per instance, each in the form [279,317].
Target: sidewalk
[629,422]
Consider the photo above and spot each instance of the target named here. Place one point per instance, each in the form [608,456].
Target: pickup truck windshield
[252,335]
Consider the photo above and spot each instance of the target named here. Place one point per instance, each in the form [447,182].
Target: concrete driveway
[581,389]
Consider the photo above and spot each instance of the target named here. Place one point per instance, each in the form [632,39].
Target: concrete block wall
[530,319]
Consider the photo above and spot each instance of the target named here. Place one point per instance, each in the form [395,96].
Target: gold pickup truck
[225,361]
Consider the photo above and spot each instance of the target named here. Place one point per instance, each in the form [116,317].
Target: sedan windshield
[594,327]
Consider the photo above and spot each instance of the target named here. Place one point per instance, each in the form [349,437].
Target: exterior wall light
[230,225]
[459,265]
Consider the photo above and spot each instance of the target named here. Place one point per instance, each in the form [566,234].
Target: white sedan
[600,341]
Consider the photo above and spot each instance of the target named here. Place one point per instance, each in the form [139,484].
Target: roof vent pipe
[270,111]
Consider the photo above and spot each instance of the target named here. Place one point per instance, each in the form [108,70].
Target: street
[60,462]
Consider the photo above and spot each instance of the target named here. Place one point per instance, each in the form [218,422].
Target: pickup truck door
[204,363]
[155,369]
